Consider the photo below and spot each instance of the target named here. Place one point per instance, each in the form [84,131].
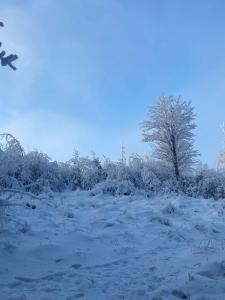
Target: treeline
[34,172]
[172,167]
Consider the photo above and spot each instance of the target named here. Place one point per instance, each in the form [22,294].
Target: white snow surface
[74,246]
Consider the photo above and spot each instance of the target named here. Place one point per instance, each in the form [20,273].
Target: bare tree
[169,128]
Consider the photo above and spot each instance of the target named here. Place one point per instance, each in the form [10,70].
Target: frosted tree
[123,155]
[169,129]
[221,160]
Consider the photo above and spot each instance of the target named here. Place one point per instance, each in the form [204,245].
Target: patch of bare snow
[77,246]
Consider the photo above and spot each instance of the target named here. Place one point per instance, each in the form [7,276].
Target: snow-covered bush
[142,174]
[139,171]
[210,183]
[39,174]
[11,158]
[116,170]
[110,168]
[150,180]
[86,172]
[114,188]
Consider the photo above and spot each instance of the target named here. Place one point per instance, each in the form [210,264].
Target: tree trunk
[175,161]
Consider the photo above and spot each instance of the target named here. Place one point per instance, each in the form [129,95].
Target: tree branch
[7,60]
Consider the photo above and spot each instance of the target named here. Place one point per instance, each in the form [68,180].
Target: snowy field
[74,246]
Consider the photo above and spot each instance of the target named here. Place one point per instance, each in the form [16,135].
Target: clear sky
[88,70]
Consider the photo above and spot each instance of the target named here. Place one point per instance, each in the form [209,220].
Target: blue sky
[88,70]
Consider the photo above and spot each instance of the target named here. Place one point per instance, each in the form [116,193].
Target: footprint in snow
[180,294]
[76,266]
[58,260]
[214,270]
[161,220]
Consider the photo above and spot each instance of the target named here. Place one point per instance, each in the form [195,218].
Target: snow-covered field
[74,246]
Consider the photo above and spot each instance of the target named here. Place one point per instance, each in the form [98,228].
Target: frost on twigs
[10,144]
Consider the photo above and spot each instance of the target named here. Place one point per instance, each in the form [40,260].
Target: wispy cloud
[50,133]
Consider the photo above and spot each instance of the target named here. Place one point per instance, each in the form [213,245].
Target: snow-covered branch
[19,192]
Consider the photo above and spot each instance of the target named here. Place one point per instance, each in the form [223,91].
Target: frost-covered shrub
[11,157]
[114,188]
[123,171]
[86,172]
[188,186]
[39,174]
[140,171]
[116,170]
[35,167]
[92,173]
[142,174]
[205,183]
[170,186]
[150,180]
[211,183]
[110,168]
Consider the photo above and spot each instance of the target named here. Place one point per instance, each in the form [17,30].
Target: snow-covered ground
[74,246]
